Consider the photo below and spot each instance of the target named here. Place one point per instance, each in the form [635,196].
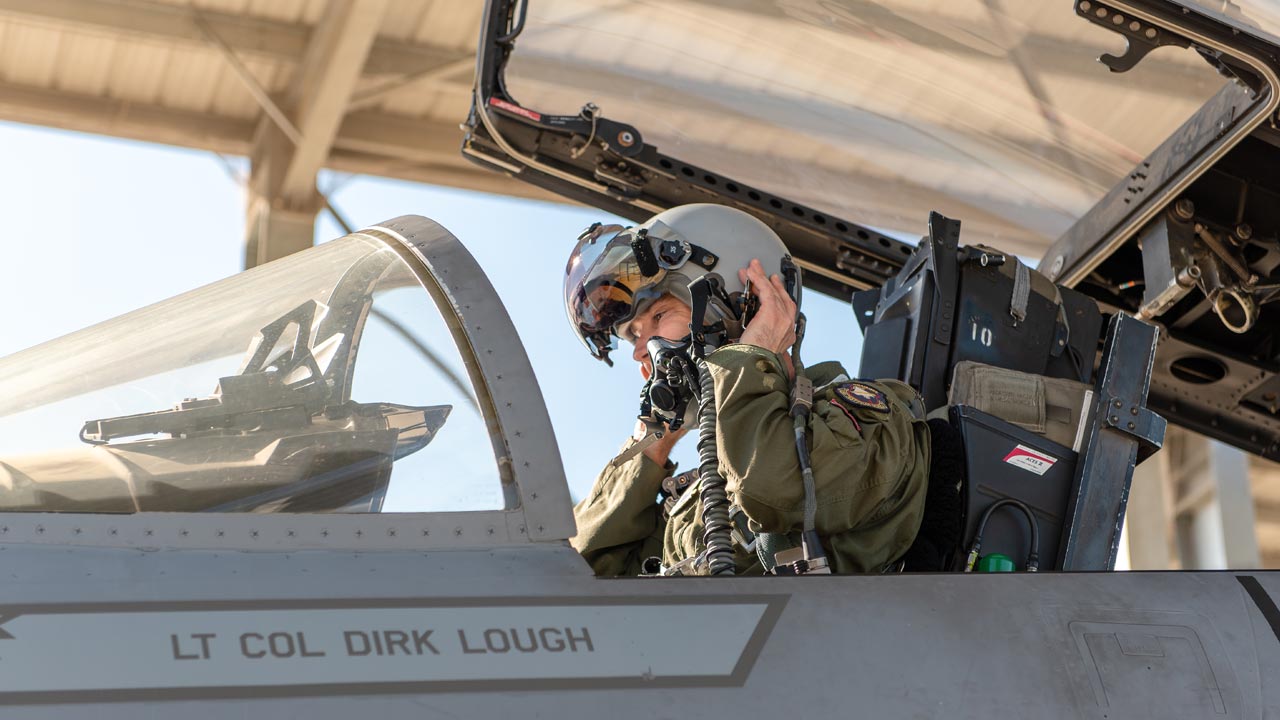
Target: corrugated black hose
[717,535]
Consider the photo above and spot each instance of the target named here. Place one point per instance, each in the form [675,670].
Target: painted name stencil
[195,649]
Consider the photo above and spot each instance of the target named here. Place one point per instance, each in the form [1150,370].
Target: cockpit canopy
[875,112]
[329,381]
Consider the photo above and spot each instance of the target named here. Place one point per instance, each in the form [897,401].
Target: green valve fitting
[996,562]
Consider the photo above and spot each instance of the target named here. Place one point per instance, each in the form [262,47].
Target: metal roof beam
[246,35]
[392,137]
[174,23]
[469,177]
[135,121]
[328,75]
[251,84]
[367,142]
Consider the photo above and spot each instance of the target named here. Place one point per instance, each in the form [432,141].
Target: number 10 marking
[982,335]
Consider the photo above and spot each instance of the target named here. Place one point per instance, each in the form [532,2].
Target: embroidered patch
[863,395]
[856,425]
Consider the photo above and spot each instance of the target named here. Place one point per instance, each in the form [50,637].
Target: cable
[815,558]
[594,110]
[517,26]
[1033,557]
[801,402]
[800,421]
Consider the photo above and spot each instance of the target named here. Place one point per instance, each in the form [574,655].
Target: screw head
[1184,209]
[626,139]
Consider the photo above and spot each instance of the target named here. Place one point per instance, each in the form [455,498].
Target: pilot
[868,443]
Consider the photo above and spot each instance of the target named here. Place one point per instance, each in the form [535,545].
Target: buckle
[740,532]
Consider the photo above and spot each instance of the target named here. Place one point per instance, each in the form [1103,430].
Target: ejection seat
[1005,360]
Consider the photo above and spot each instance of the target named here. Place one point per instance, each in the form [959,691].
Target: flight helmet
[616,272]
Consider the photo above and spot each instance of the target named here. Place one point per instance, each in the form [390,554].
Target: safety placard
[514,109]
[1031,460]
[134,651]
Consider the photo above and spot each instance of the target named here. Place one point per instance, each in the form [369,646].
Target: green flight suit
[870,474]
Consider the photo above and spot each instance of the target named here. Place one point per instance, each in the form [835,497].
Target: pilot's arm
[870,465]
[620,522]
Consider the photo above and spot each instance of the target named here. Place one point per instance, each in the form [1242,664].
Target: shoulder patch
[862,395]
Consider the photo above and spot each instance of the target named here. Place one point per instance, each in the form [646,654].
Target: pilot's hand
[774,325]
[661,448]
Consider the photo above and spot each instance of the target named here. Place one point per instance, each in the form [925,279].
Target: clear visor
[603,286]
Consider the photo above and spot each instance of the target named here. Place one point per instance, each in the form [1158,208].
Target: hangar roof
[174,71]
[379,87]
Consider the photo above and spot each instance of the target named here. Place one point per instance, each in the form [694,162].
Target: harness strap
[1021,291]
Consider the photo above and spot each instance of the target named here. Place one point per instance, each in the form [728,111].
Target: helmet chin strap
[707,294]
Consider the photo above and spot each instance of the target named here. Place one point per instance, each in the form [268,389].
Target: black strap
[643,252]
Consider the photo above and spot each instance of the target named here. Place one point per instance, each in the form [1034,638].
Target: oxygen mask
[672,386]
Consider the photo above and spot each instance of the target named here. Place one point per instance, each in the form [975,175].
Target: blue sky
[97,227]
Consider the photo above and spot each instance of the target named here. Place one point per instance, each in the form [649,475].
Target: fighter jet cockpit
[843,121]
[328,382]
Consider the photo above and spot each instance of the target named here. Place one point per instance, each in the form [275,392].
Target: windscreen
[324,382]
[878,111]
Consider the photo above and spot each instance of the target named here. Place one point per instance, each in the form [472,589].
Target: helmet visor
[603,286]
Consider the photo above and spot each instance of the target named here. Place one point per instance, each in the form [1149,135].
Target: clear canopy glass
[327,381]
[878,111]
[1260,18]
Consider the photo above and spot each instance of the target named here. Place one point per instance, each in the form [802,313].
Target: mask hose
[717,535]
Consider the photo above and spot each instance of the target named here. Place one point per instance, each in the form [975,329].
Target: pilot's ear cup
[940,527]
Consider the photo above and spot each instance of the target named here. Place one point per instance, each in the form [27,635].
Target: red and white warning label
[1032,460]
[514,109]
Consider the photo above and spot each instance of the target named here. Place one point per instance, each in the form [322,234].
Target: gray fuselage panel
[487,633]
